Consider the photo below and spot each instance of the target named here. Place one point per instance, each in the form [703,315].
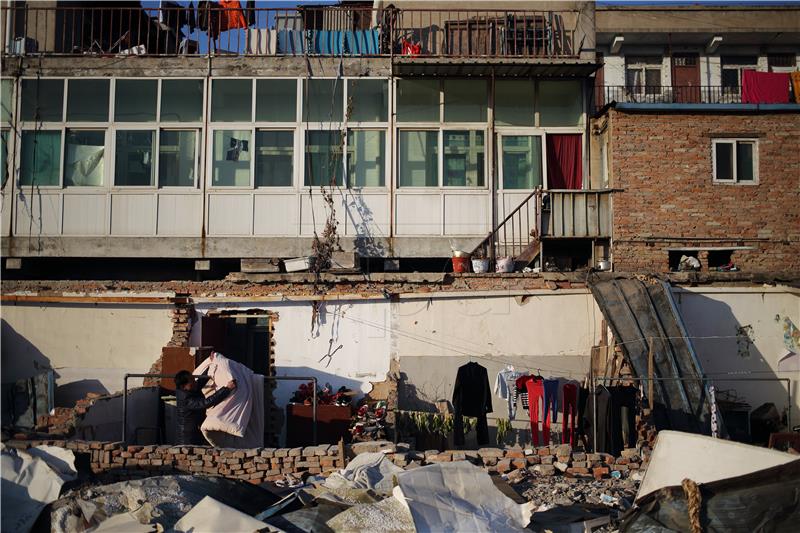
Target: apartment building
[562,135]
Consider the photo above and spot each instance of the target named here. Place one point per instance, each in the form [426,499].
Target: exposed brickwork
[182,317]
[663,163]
[113,461]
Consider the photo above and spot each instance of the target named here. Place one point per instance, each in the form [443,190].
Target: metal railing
[663,94]
[304,30]
[517,233]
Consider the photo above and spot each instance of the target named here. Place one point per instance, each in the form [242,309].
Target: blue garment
[551,398]
[291,42]
[362,42]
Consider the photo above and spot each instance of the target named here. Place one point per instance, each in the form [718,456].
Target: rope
[693,501]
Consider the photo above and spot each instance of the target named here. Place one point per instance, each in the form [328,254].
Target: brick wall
[113,461]
[664,164]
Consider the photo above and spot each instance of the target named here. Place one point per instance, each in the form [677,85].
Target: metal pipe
[273,378]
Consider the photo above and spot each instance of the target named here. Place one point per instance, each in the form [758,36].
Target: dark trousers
[599,403]
[481,428]
[623,418]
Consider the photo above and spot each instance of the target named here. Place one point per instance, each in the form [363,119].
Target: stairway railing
[521,225]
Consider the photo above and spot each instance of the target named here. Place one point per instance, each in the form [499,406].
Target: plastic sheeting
[366,471]
[211,516]
[458,496]
[31,480]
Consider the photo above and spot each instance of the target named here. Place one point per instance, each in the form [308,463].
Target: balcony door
[521,169]
[686,78]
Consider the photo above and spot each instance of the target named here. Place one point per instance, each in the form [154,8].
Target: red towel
[765,87]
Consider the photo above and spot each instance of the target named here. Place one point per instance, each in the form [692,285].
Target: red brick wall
[664,164]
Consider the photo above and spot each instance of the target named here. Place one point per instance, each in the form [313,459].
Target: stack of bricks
[113,461]
[182,316]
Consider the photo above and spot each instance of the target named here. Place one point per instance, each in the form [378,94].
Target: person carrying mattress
[192,405]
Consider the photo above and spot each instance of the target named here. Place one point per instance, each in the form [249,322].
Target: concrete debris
[547,492]
[366,471]
[388,515]
[211,516]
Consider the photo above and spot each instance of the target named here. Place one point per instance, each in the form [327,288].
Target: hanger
[538,374]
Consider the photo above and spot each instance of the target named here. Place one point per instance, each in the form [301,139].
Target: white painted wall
[90,347]
[718,312]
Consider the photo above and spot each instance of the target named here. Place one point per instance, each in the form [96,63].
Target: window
[133,164]
[521,161]
[231,100]
[463,158]
[419,158]
[177,158]
[782,62]
[3,157]
[323,158]
[43,100]
[135,100]
[41,158]
[418,101]
[84,157]
[87,100]
[366,156]
[560,103]
[182,100]
[735,161]
[513,103]
[323,100]
[274,158]
[732,67]
[231,163]
[643,75]
[7,100]
[369,100]
[465,101]
[276,100]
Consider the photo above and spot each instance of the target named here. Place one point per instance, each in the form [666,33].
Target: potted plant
[460,261]
[504,264]
[480,264]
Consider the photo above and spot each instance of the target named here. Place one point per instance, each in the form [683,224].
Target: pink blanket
[232,415]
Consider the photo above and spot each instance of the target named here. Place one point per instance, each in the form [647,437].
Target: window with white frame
[6,116]
[442,125]
[735,161]
[732,67]
[643,74]
[69,128]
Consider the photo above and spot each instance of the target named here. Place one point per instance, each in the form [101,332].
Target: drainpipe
[492,145]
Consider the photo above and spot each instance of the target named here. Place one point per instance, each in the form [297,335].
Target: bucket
[461,264]
[505,264]
[480,266]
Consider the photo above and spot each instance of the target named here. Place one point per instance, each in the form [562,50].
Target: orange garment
[232,16]
[796,85]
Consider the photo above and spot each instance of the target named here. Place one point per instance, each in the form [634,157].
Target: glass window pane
[135,100]
[47,95]
[3,157]
[231,100]
[730,78]
[182,100]
[323,158]
[7,100]
[560,103]
[177,155]
[463,159]
[465,101]
[513,103]
[88,100]
[522,161]
[418,101]
[323,100]
[84,158]
[40,158]
[231,166]
[369,99]
[133,163]
[724,160]
[274,158]
[276,100]
[366,158]
[744,161]
[419,159]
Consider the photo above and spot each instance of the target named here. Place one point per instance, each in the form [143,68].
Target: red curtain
[564,162]
[765,87]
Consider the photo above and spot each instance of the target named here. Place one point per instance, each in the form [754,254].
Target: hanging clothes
[583,398]
[522,389]
[569,403]
[623,418]
[564,161]
[471,397]
[795,77]
[601,400]
[536,409]
[232,16]
[551,389]
[765,87]
[505,387]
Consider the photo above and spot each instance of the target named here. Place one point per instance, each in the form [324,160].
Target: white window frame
[734,141]
[738,67]
[643,66]
[519,132]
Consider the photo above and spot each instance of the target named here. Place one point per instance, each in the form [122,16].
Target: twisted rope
[693,501]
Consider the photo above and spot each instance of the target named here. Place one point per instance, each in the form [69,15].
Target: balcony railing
[305,30]
[661,94]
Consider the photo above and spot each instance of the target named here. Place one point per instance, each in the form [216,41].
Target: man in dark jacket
[192,405]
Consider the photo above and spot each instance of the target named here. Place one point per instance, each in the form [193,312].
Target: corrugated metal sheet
[579,214]
[484,66]
[643,315]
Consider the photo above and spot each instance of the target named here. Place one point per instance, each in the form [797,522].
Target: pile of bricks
[114,461]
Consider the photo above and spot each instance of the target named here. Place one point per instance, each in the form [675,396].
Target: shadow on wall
[20,358]
[363,220]
[733,352]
